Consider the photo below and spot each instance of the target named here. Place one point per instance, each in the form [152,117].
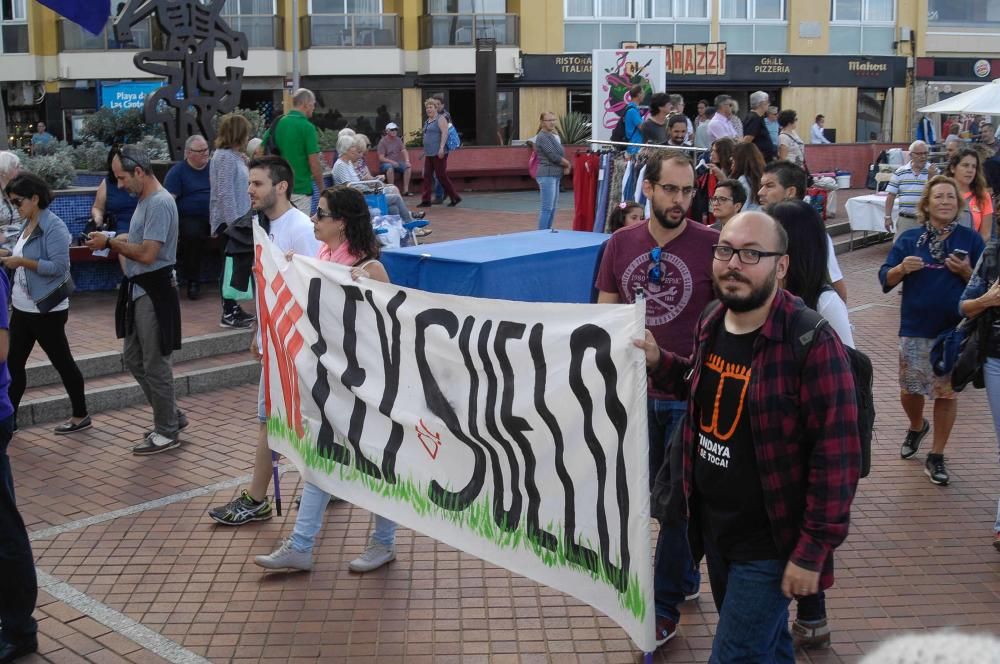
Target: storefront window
[579,101]
[365,111]
[967,12]
[871,116]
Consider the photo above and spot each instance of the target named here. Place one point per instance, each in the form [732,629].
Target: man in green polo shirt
[297,142]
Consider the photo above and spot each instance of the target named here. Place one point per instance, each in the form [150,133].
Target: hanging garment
[585,169]
[603,191]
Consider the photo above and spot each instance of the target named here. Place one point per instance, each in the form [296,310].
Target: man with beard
[290,229]
[784,181]
[771,450]
[677,130]
[670,258]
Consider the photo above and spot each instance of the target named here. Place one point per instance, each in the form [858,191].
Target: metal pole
[295,45]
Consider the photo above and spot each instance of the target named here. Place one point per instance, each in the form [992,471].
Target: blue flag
[91,14]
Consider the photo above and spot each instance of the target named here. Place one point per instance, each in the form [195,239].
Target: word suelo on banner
[513,431]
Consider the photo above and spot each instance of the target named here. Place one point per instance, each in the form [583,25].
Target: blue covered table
[537,266]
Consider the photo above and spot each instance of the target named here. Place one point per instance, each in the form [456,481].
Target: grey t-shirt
[653,132]
[155,218]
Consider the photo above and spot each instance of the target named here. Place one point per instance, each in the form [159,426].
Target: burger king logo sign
[981,68]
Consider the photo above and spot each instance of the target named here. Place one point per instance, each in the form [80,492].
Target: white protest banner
[512,431]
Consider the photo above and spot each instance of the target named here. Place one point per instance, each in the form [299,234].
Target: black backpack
[618,133]
[271,140]
[805,322]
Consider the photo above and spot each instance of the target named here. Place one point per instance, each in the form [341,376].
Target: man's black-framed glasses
[656,271]
[723,252]
[674,190]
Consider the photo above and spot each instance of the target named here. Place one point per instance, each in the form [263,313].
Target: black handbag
[48,302]
[968,366]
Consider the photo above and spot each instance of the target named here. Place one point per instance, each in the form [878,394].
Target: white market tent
[984,100]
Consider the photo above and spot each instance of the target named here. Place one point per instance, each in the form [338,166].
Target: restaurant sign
[709,64]
[691,59]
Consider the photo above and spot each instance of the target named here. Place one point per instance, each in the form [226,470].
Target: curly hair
[978,184]
[348,204]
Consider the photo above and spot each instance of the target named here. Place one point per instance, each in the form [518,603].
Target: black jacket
[240,247]
[159,286]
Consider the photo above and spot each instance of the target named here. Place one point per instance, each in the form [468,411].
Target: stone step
[113,391]
[107,363]
[842,243]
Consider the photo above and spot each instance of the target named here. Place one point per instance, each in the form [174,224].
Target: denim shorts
[915,373]
[385,168]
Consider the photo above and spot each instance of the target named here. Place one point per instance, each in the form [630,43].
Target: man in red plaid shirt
[771,451]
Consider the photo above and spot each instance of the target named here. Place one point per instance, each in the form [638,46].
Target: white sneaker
[693,596]
[285,557]
[374,557]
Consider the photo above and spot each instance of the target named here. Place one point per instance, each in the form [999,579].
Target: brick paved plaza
[133,571]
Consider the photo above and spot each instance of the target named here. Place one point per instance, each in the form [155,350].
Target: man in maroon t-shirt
[670,257]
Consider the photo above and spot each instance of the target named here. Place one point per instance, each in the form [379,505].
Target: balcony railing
[72,37]
[351,30]
[464,29]
[261,31]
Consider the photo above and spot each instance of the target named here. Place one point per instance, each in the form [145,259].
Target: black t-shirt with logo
[727,484]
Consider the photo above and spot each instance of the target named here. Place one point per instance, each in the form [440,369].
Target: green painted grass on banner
[477,518]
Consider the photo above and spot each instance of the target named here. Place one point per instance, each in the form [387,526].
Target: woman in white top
[790,146]
[40,288]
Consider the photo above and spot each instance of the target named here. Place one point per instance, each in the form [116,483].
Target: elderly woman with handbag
[981,298]
[41,286]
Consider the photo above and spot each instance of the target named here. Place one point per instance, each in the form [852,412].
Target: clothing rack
[682,148]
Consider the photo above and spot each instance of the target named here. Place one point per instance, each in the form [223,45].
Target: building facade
[864,64]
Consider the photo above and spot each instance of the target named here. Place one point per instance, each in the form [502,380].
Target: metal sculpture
[192,94]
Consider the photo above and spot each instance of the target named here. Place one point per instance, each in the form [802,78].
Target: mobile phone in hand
[960,254]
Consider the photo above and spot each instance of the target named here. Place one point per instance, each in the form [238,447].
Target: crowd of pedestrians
[761,434]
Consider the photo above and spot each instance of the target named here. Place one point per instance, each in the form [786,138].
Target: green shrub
[416,139]
[254,116]
[573,129]
[155,147]
[90,156]
[327,139]
[111,126]
[55,169]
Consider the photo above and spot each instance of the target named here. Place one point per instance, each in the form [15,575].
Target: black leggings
[49,330]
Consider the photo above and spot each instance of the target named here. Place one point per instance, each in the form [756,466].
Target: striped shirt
[907,186]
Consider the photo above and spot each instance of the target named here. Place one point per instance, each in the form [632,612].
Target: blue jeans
[991,372]
[753,613]
[310,520]
[18,584]
[674,572]
[549,186]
